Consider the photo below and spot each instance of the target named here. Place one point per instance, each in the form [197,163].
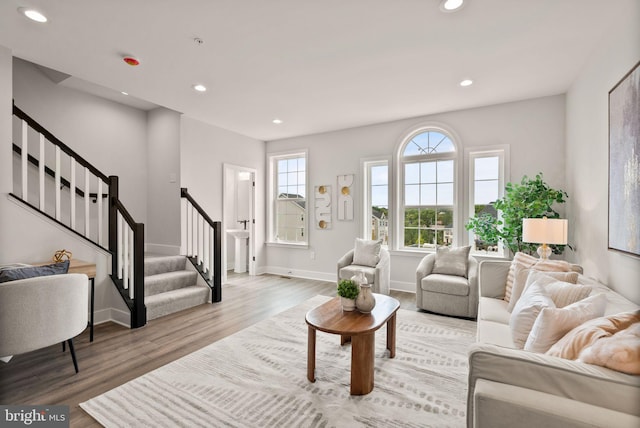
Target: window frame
[272,211]
[502,152]
[397,237]
[365,167]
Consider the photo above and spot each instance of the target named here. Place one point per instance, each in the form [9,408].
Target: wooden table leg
[311,354]
[391,336]
[362,360]
[344,339]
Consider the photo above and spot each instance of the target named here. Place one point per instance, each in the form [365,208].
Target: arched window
[427,171]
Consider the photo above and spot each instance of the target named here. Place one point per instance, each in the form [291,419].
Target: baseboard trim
[165,250]
[295,273]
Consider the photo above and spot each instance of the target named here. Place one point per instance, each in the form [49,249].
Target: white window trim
[503,153]
[365,191]
[397,235]
[272,192]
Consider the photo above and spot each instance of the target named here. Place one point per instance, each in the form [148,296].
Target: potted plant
[348,291]
[531,198]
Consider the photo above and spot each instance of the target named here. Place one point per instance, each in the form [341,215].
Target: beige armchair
[43,311]
[378,275]
[447,294]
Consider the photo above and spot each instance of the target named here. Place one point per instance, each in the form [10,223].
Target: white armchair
[378,274]
[42,311]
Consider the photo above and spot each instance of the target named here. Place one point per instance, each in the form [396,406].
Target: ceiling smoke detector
[131,61]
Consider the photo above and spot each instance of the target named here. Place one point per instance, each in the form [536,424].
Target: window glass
[289,219]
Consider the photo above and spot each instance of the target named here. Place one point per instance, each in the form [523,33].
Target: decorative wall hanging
[345,198]
[624,164]
[323,206]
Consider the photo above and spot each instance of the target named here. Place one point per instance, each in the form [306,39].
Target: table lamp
[544,231]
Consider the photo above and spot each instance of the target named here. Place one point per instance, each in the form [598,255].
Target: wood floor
[118,354]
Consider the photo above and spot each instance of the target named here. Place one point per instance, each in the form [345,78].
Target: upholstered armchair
[371,258]
[447,289]
[42,311]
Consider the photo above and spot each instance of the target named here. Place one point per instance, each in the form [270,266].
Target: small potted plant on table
[348,291]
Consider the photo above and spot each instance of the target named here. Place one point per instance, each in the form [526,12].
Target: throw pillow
[566,293]
[619,352]
[553,323]
[34,271]
[451,261]
[533,300]
[523,261]
[367,253]
[572,343]
[524,277]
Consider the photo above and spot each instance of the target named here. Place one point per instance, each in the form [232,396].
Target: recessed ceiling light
[277,121]
[466,82]
[32,14]
[200,87]
[451,5]
[124,93]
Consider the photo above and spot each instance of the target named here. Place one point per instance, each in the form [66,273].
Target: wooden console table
[89,269]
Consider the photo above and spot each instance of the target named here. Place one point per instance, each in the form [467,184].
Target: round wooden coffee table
[358,328]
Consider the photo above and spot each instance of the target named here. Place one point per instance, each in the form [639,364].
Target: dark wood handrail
[65,183]
[216,283]
[52,138]
[185,194]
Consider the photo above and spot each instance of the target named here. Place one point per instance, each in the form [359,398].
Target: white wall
[203,150]
[587,155]
[162,230]
[534,130]
[6,109]
[109,135]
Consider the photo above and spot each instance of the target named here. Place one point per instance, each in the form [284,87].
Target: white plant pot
[348,304]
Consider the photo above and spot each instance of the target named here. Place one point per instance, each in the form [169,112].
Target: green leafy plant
[348,289]
[531,198]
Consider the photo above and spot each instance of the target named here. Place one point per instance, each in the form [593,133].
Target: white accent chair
[379,276]
[42,311]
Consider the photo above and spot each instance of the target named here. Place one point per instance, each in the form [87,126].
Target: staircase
[86,202]
[169,287]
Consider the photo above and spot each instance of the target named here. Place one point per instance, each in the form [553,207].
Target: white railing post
[57,175]
[212,256]
[87,189]
[72,193]
[119,248]
[41,165]
[130,257]
[99,200]
[25,160]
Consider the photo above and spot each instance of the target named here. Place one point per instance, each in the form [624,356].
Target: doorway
[238,214]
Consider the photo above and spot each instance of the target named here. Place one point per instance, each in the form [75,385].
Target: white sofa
[510,387]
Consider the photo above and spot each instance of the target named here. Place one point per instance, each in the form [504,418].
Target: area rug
[257,378]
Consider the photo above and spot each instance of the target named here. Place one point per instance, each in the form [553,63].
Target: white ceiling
[318,65]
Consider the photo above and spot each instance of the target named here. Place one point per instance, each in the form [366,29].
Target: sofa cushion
[523,260]
[584,335]
[367,252]
[495,333]
[445,284]
[451,261]
[14,274]
[526,276]
[619,352]
[348,272]
[553,323]
[526,311]
[490,309]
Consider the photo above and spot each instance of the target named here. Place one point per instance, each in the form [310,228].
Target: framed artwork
[322,197]
[624,164]
[345,197]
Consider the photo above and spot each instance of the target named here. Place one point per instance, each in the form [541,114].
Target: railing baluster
[99,200]
[125,256]
[72,193]
[194,244]
[205,246]
[87,188]
[57,175]
[119,250]
[199,235]
[213,255]
[41,173]
[25,161]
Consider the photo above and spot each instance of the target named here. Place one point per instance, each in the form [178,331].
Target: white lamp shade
[545,230]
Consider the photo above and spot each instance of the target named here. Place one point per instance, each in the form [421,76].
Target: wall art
[322,196]
[345,197]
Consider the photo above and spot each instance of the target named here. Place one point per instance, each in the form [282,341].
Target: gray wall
[162,231]
[587,155]
[534,130]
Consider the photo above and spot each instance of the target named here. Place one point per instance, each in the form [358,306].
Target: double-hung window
[376,199]
[288,223]
[428,190]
